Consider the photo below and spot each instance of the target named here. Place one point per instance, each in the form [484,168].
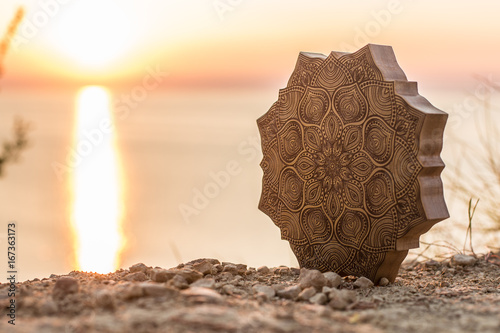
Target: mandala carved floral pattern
[351,163]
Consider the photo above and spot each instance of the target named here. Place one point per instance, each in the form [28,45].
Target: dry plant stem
[12,148]
[471,212]
[11,30]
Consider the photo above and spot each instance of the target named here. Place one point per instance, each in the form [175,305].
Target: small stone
[282,270]
[228,289]
[319,299]
[219,268]
[209,260]
[241,268]
[291,292]
[178,282]
[312,278]
[268,291]
[104,299]
[383,282]
[307,293]
[341,299]
[132,291]
[137,276]
[48,308]
[295,271]
[363,283]
[326,290]
[202,295]
[263,270]
[204,283]
[334,280]
[161,275]
[230,268]
[204,267]
[432,263]
[65,285]
[189,274]
[236,279]
[278,287]
[157,290]
[463,260]
[138,268]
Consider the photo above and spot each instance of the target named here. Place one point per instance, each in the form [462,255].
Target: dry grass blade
[471,212]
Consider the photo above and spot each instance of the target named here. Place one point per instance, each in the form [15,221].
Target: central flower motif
[332,166]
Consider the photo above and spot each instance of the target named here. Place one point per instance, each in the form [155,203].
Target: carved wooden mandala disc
[351,163]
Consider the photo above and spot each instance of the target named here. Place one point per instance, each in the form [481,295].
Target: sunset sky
[209,43]
[221,64]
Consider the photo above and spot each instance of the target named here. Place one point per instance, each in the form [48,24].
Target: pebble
[205,267]
[132,291]
[307,293]
[383,282]
[463,260]
[137,276]
[432,263]
[326,290]
[156,290]
[65,285]
[209,260]
[291,292]
[178,282]
[263,270]
[319,298]
[138,268]
[228,289]
[333,279]
[202,295]
[340,299]
[48,308]
[161,275]
[189,274]
[230,268]
[205,283]
[282,270]
[105,299]
[268,291]
[241,268]
[312,278]
[363,283]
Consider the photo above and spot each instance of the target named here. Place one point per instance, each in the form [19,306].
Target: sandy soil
[207,296]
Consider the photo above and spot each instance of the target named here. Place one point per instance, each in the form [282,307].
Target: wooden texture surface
[352,163]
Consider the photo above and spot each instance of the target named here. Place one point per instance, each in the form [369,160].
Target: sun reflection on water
[97,207]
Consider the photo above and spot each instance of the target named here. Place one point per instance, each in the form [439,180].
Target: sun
[92,33]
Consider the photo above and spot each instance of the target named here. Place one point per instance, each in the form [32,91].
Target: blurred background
[167,168]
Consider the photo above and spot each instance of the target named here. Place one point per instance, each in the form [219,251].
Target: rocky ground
[457,295]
